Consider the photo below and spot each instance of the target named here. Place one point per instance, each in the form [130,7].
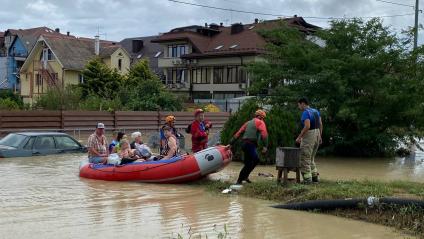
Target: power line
[280,15]
[395,3]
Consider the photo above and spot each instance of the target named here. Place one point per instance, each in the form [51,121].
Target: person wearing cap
[97,145]
[251,132]
[309,140]
[169,121]
[170,148]
[199,130]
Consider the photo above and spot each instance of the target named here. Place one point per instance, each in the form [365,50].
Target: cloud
[42,7]
[130,18]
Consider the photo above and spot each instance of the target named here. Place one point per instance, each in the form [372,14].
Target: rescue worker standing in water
[309,139]
[251,132]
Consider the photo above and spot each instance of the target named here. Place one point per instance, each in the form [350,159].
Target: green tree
[100,80]
[143,90]
[280,124]
[364,78]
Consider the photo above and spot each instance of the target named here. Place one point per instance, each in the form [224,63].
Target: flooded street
[43,197]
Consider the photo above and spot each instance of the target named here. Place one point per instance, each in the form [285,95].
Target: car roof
[40,133]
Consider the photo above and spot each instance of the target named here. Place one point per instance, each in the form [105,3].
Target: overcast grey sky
[133,18]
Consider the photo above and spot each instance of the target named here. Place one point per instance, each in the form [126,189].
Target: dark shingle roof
[149,50]
[74,53]
[30,36]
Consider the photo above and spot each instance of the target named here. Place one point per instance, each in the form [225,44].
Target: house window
[218,75]
[81,79]
[120,64]
[242,75]
[47,55]
[176,75]
[229,75]
[177,50]
[38,80]
[200,75]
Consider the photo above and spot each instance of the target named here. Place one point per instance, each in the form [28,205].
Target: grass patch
[407,219]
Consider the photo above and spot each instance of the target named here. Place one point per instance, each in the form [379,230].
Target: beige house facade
[58,61]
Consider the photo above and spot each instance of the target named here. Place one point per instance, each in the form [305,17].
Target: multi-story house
[209,62]
[18,44]
[57,61]
[143,48]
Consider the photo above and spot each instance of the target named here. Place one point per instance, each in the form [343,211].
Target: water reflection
[43,197]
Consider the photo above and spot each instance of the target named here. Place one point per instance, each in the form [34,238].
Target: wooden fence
[86,120]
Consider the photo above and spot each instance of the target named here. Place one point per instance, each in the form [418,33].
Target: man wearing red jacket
[251,132]
[199,131]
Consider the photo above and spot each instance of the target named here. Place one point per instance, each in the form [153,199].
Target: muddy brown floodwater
[43,197]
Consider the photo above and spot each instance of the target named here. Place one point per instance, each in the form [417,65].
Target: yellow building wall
[29,76]
[112,62]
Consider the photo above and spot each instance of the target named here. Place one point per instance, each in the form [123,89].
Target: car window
[13,140]
[65,142]
[30,142]
[44,142]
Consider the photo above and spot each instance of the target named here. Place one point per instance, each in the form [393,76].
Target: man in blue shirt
[309,139]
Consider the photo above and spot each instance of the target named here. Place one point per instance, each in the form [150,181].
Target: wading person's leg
[306,149]
[314,170]
[248,163]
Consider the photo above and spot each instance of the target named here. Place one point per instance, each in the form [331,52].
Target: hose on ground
[349,203]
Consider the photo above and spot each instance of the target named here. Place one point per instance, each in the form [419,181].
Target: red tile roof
[246,42]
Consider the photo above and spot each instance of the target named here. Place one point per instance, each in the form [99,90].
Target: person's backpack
[188,129]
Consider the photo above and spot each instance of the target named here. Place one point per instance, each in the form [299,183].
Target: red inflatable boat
[176,170]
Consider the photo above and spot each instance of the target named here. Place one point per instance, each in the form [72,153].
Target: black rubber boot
[315,179]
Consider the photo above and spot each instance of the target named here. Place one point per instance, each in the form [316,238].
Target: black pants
[251,159]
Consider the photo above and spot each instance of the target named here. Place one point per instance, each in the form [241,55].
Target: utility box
[287,157]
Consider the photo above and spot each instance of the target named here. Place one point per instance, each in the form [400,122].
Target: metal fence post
[62,120]
[159,116]
[115,120]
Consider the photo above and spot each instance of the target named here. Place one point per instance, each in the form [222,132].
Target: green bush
[280,124]
[97,103]
[8,104]
[10,100]
[57,99]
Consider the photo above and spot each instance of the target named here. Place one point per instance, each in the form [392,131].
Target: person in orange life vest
[251,132]
[199,131]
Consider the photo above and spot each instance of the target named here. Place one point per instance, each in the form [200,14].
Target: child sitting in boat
[125,152]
